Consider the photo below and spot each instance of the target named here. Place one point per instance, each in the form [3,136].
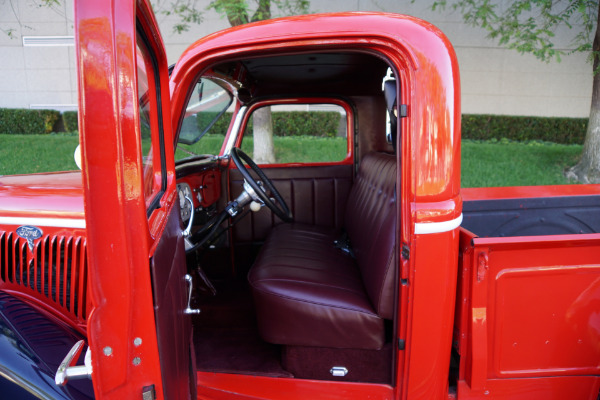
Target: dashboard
[203,188]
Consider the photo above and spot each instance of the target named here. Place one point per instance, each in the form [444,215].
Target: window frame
[350,127]
[157,119]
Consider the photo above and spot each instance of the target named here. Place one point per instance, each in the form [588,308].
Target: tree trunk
[588,168]
[263,11]
[263,136]
[263,124]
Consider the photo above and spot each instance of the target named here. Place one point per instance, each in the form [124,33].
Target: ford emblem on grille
[29,233]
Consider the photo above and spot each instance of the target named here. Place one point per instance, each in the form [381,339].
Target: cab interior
[306,286]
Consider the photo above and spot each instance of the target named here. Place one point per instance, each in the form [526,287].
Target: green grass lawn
[290,149]
[515,164]
[23,154]
[483,163]
[209,144]
[287,149]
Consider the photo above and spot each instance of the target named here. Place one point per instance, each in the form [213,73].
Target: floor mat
[226,337]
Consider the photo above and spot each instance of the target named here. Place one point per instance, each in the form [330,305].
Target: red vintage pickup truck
[373,276]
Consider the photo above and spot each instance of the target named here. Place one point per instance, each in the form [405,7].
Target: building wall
[494,80]
[36,76]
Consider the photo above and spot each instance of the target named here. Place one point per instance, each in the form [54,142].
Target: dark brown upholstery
[316,196]
[307,292]
[370,224]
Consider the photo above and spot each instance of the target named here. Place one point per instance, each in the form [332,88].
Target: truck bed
[532,211]
[528,293]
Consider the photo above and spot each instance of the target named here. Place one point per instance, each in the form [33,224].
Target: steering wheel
[280,208]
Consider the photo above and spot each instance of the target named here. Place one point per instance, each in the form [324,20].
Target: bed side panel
[532,312]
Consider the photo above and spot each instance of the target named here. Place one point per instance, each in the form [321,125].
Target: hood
[45,195]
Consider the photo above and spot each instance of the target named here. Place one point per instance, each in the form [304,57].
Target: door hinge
[405,252]
[403,111]
[401,344]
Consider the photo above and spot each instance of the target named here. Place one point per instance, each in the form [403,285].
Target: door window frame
[157,127]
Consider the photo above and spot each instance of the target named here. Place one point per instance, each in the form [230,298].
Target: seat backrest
[370,223]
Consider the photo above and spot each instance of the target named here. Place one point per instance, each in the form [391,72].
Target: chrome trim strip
[235,130]
[53,222]
[48,41]
[339,371]
[53,106]
[425,228]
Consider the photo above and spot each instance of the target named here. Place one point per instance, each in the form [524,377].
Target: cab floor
[226,337]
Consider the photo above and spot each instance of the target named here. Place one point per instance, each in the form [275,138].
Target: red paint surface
[246,387]
[207,183]
[56,195]
[120,237]
[552,388]
[511,289]
[419,51]
[430,315]
[522,192]
[43,285]
[529,310]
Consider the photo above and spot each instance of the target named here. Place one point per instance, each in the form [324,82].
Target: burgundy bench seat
[308,292]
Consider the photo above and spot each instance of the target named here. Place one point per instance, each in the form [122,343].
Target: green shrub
[288,123]
[50,117]
[220,127]
[70,121]
[325,124]
[303,123]
[557,130]
[27,122]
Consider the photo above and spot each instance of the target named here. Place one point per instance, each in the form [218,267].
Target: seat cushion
[307,292]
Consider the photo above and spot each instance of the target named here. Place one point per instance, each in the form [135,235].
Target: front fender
[32,345]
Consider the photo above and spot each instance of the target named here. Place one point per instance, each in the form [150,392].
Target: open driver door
[138,331]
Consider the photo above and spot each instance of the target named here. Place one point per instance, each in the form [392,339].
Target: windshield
[205,114]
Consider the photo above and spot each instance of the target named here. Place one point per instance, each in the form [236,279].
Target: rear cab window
[302,133]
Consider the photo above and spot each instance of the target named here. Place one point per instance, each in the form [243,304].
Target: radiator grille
[56,269]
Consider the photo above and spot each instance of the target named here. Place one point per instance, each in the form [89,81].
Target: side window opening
[150,125]
[297,133]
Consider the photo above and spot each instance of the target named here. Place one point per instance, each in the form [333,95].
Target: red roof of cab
[429,82]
